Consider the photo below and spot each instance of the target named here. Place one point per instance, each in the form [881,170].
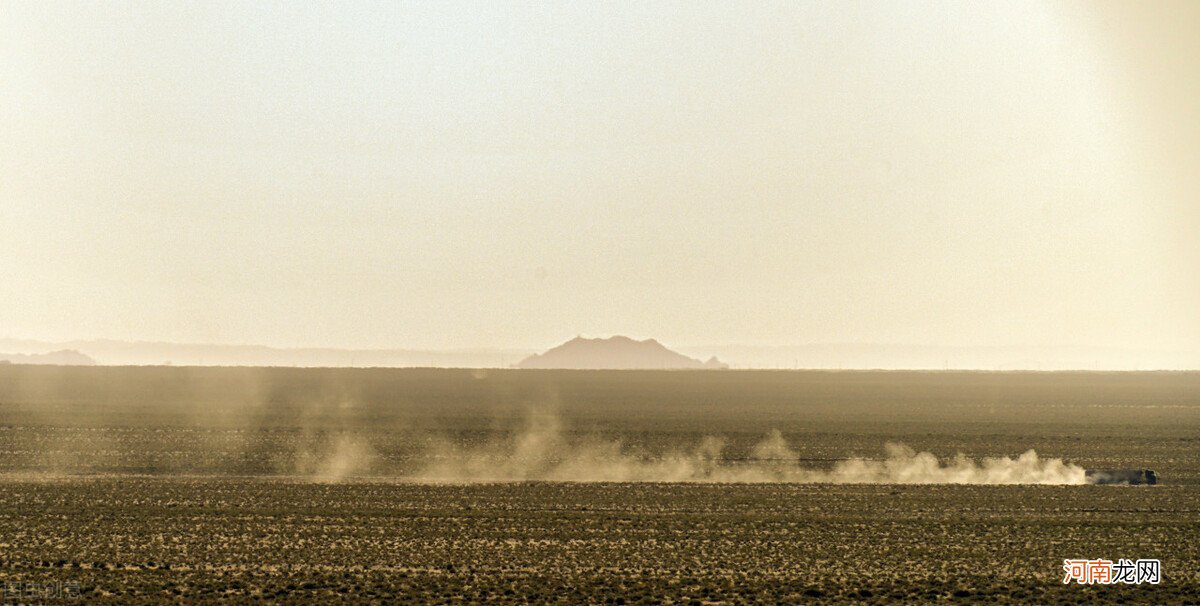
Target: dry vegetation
[158,485]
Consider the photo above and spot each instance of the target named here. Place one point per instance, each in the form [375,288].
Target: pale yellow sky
[451,175]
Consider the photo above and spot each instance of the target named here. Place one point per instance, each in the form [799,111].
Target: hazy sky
[453,174]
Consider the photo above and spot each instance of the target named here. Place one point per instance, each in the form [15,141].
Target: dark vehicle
[1121,476]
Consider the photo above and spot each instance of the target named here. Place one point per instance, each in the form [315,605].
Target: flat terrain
[149,485]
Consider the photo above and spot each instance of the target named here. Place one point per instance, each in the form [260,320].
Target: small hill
[615,353]
[65,357]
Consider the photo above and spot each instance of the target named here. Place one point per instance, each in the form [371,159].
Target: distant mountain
[65,357]
[615,353]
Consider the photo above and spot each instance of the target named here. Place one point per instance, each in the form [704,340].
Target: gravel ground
[156,540]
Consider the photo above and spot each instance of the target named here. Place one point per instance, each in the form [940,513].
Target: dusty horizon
[814,356]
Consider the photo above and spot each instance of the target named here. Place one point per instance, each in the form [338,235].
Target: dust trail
[541,452]
[335,459]
[327,440]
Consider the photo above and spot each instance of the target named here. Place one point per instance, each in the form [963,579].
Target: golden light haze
[458,174]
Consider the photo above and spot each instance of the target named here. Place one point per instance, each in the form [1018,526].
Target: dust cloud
[339,457]
[543,453]
[330,429]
